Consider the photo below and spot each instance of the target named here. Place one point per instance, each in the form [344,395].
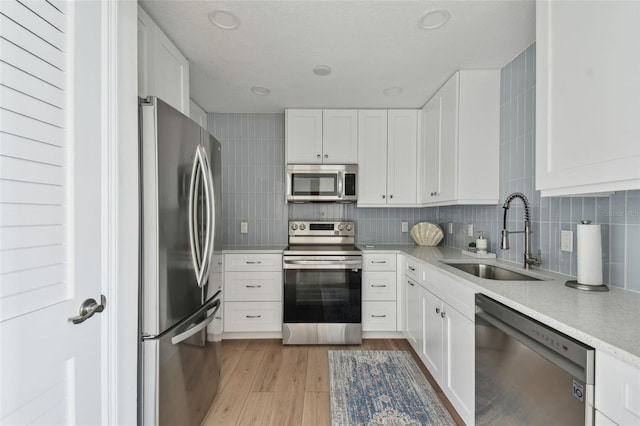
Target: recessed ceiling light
[434,19]
[392,91]
[322,70]
[224,19]
[260,91]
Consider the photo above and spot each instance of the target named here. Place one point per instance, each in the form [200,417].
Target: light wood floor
[266,383]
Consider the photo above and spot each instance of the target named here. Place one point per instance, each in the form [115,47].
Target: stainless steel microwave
[322,183]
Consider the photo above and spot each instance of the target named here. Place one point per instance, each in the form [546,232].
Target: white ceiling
[370,45]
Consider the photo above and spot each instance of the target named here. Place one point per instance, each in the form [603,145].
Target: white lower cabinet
[414,323]
[617,389]
[443,337]
[379,316]
[379,307]
[252,292]
[252,316]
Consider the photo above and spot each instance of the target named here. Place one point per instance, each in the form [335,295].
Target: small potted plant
[472,247]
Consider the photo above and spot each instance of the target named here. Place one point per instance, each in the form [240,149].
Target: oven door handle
[322,264]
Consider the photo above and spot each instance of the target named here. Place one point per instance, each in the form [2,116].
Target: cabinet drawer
[378,285]
[253,262]
[252,316]
[256,286]
[617,390]
[378,316]
[379,261]
[410,268]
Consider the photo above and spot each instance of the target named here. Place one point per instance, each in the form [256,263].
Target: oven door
[321,290]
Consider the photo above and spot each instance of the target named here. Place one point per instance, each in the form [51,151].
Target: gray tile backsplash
[253,177]
[253,156]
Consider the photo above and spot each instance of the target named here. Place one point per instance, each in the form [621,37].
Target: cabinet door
[401,156]
[431,149]
[448,147]
[304,136]
[340,136]
[587,145]
[433,333]
[162,70]
[171,70]
[458,378]
[415,320]
[372,157]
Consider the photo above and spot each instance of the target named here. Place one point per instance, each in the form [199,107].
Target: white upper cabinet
[317,136]
[372,157]
[587,97]
[459,150]
[401,158]
[386,157]
[162,70]
[197,114]
[340,136]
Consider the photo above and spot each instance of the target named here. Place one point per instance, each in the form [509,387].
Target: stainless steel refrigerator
[181,226]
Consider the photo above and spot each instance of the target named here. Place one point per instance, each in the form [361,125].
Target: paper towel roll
[589,254]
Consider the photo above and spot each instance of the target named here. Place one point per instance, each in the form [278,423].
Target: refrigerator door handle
[210,219]
[184,335]
[193,211]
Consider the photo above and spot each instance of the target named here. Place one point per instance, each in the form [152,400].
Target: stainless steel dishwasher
[528,373]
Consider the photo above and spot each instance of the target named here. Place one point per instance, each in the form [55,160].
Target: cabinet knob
[442,314]
[437,310]
[326,156]
[384,196]
[318,156]
[390,196]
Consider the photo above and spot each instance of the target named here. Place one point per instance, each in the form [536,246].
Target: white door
[51,242]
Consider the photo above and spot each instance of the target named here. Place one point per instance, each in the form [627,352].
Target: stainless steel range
[322,284]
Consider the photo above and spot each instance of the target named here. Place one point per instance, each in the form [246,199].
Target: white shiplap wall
[33,155]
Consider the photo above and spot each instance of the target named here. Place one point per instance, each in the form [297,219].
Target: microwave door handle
[340,185]
[289,186]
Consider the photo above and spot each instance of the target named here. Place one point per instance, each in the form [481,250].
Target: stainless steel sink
[491,272]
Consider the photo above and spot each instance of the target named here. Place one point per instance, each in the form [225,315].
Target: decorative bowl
[427,234]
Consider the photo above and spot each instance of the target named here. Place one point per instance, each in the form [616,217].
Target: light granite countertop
[253,249]
[608,321]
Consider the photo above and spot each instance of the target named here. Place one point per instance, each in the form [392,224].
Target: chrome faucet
[504,245]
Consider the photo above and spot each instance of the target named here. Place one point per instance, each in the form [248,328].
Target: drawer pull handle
[378,316]
[254,286]
[411,268]
[253,262]
[379,261]
[253,316]
[378,285]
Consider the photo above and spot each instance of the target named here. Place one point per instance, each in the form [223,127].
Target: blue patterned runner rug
[382,388]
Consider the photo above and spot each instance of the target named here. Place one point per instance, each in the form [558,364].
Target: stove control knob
[349,227]
[303,226]
[294,226]
[341,227]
